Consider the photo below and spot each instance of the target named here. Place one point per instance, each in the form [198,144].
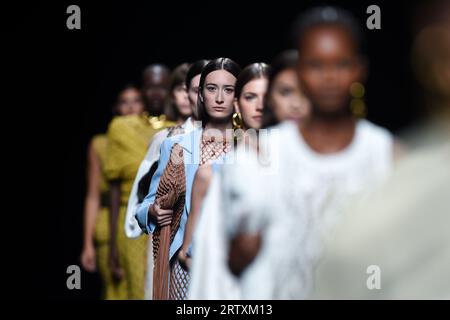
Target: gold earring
[237,120]
[357,104]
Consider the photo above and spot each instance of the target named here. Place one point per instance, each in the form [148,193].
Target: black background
[65,81]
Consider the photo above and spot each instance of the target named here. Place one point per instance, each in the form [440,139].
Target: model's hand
[243,250]
[184,259]
[162,217]
[88,260]
[114,265]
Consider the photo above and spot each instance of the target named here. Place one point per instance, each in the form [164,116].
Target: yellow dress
[111,290]
[128,140]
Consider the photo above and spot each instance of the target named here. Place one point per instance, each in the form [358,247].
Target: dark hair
[214,65]
[285,60]
[151,68]
[127,86]
[195,69]
[328,15]
[177,78]
[250,72]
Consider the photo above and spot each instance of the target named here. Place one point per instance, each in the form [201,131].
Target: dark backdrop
[78,73]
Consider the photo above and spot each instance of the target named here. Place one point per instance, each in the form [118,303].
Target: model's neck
[154,112]
[181,120]
[328,135]
[336,123]
[218,129]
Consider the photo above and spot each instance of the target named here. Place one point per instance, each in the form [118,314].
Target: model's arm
[132,229]
[199,188]
[113,219]
[149,213]
[243,250]
[91,209]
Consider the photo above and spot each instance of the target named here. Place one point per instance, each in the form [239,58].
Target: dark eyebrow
[225,86]
[283,84]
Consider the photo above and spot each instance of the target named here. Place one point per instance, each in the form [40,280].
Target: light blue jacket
[191,145]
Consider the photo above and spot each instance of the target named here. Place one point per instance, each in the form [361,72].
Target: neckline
[311,153]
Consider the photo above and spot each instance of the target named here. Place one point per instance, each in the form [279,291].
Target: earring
[357,104]
[237,120]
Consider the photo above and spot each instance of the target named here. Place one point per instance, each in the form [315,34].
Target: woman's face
[181,100]
[328,65]
[286,99]
[218,95]
[156,88]
[130,102]
[193,95]
[251,103]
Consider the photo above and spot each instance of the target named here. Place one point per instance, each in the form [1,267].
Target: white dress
[293,196]
[394,244]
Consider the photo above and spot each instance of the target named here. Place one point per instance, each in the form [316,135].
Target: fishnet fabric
[171,193]
[212,148]
[179,282]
